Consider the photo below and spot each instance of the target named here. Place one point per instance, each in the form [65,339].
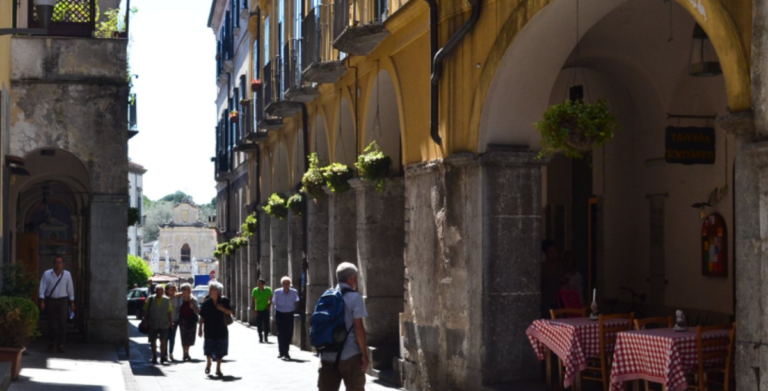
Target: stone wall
[472,275]
[71,94]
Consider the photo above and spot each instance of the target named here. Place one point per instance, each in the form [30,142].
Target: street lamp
[44,14]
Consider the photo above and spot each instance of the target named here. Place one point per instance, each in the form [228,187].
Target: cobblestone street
[248,366]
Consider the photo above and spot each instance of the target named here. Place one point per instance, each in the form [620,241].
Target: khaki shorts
[154,334]
[350,371]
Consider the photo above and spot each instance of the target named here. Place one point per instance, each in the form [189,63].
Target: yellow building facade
[465,216]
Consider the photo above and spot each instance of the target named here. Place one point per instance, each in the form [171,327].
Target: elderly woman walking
[170,291]
[212,313]
[189,310]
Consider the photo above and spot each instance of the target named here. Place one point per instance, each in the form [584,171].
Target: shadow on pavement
[225,378]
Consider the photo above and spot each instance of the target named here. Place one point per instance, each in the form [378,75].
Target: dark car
[136,299]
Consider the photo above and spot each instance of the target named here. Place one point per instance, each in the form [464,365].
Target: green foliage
[113,24]
[17,281]
[374,165]
[133,216]
[239,242]
[295,204]
[337,177]
[159,213]
[313,180]
[276,207]
[18,321]
[575,127]
[250,225]
[177,197]
[138,271]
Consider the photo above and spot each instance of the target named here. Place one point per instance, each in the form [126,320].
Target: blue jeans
[172,337]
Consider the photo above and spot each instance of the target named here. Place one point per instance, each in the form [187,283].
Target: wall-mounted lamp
[702,206]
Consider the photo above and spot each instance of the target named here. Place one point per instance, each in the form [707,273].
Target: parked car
[136,299]
[200,292]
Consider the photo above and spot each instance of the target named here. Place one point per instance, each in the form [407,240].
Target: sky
[173,51]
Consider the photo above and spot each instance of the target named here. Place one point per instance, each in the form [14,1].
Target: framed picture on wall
[714,246]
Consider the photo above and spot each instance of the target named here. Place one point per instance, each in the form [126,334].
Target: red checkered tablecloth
[573,340]
[658,355]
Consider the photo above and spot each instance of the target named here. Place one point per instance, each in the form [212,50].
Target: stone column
[342,230]
[265,247]
[253,272]
[381,243]
[106,301]
[242,289]
[278,230]
[295,266]
[317,253]
[512,226]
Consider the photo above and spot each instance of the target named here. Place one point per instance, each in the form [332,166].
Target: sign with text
[690,145]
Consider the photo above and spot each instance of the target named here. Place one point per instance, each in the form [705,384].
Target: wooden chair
[713,349]
[558,314]
[660,323]
[599,368]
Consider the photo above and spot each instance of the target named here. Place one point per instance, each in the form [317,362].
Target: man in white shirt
[55,290]
[353,361]
[285,304]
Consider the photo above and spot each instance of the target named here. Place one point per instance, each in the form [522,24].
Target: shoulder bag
[144,325]
[228,319]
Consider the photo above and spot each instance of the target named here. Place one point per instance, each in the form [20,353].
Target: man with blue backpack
[338,334]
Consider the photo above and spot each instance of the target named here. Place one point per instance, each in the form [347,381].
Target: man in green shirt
[261,300]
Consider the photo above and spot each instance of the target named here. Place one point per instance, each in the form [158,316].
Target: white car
[200,292]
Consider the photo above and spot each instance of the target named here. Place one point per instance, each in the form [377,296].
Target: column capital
[736,123]
[513,159]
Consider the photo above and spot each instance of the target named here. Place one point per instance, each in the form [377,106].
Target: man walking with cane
[55,290]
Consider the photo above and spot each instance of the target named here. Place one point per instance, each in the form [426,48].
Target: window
[267,54]
[186,253]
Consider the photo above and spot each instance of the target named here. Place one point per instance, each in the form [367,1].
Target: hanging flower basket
[250,225]
[575,127]
[245,102]
[276,207]
[313,180]
[256,85]
[374,165]
[295,204]
[337,177]
[233,116]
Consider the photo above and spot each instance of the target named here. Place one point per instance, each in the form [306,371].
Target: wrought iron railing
[317,38]
[75,18]
[272,92]
[349,13]
[293,66]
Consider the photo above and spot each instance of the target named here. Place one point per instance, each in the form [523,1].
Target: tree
[138,271]
[206,211]
[161,212]
[176,197]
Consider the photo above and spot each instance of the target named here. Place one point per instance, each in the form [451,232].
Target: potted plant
[295,204]
[233,115]
[276,207]
[575,127]
[337,176]
[250,225]
[313,180]
[374,165]
[256,85]
[18,326]
[245,102]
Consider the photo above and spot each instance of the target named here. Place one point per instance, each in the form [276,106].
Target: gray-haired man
[354,357]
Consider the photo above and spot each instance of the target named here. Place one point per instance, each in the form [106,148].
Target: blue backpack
[328,331]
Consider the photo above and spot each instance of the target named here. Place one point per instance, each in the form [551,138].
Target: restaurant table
[572,339]
[659,355]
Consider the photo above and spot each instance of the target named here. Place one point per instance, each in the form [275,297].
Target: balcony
[274,86]
[269,90]
[71,18]
[358,25]
[296,89]
[320,61]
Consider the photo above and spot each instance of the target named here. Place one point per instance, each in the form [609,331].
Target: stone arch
[344,150]
[553,22]
[320,141]
[281,181]
[385,127]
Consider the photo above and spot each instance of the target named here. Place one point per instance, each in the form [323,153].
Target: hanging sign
[690,145]
[714,247]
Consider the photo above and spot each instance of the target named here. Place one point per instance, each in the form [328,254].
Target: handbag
[144,324]
[228,319]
